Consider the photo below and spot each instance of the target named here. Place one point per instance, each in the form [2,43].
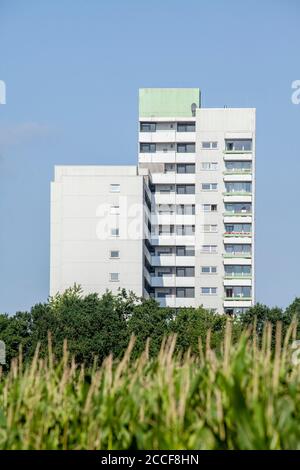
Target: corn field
[244,396]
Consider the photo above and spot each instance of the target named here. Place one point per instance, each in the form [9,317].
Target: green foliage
[240,396]
[97,326]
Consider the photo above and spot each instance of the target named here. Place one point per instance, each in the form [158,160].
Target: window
[162,272]
[185,168]
[185,271]
[210,207]
[114,254]
[208,290]
[147,148]
[169,167]
[148,126]
[165,209]
[238,187]
[209,228]
[185,292]
[238,207]
[238,228]
[238,249]
[238,291]
[185,251]
[237,270]
[166,188]
[209,145]
[185,209]
[114,277]
[186,127]
[209,166]
[165,229]
[236,310]
[164,251]
[209,186]
[115,210]
[165,293]
[114,188]
[185,148]
[114,232]
[185,229]
[239,166]
[209,248]
[185,189]
[238,145]
[209,269]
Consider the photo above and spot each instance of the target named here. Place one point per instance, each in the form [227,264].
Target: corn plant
[244,396]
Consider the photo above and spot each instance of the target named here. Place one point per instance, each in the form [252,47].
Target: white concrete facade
[86,205]
[185,214]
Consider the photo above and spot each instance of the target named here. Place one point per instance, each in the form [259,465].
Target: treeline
[97,326]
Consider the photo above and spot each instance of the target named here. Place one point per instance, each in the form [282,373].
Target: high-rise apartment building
[178,227]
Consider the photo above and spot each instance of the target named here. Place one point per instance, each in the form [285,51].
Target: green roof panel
[168,102]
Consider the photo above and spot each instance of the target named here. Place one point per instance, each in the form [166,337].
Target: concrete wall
[81,219]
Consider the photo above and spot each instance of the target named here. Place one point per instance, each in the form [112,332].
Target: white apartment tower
[180,226]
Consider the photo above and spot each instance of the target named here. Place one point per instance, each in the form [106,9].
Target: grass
[245,396]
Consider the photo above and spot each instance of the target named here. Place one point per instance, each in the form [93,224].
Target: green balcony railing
[237,214]
[237,193]
[237,172]
[237,255]
[237,298]
[237,234]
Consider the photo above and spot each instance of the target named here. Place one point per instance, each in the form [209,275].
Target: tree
[16,331]
[149,320]
[190,324]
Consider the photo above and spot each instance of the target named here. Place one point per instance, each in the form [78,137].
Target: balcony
[172,198]
[235,152]
[236,261]
[235,217]
[237,193]
[238,234]
[159,136]
[167,136]
[172,219]
[173,178]
[167,240]
[228,177]
[176,302]
[172,281]
[238,171]
[235,156]
[237,197]
[172,260]
[167,157]
[239,302]
[237,255]
[238,280]
[157,157]
[237,299]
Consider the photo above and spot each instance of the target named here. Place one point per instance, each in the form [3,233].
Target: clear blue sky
[73,69]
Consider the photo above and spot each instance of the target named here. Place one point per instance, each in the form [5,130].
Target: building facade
[180,226]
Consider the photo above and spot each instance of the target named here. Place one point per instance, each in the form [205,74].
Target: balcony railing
[238,214]
[238,193]
[237,298]
[237,255]
[237,234]
[237,276]
[237,171]
[237,151]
